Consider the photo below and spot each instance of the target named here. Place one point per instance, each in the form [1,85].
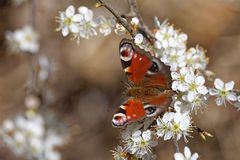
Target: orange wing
[134,109]
[130,111]
[134,63]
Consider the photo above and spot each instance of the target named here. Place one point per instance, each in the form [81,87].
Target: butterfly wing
[142,70]
[131,110]
[133,62]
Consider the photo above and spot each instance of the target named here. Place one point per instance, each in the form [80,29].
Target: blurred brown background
[87,78]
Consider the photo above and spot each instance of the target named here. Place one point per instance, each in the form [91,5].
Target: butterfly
[149,85]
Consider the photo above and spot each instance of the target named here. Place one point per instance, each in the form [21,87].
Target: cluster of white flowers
[140,144]
[24,40]
[136,144]
[188,72]
[82,24]
[28,136]
[174,125]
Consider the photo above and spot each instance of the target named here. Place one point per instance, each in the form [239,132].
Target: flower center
[173,58]
[143,144]
[192,87]
[181,78]
[166,36]
[28,37]
[68,21]
[176,128]
[223,93]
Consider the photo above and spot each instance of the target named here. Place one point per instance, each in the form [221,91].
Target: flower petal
[219,101]
[231,96]
[167,136]
[194,156]
[65,31]
[219,84]
[212,91]
[178,156]
[70,11]
[187,152]
[182,87]
[82,9]
[74,28]
[229,86]
[136,133]
[138,39]
[146,135]
[77,18]
[175,85]
[191,96]
[89,15]
[202,89]
[199,80]
[189,78]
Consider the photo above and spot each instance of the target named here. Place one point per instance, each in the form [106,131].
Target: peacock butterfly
[149,88]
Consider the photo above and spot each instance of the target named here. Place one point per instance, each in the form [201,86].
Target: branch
[135,13]
[33,13]
[123,22]
[32,84]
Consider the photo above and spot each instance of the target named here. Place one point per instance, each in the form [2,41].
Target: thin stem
[135,13]
[118,17]
[175,142]
[33,88]
[33,13]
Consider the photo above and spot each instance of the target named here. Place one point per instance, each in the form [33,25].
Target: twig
[33,13]
[135,13]
[32,86]
[118,17]
[176,145]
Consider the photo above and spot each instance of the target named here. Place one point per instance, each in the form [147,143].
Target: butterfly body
[141,92]
[149,88]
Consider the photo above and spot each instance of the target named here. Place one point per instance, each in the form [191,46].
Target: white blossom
[178,78]
[80,24]
[237,104]
[175,58]
[173,125]
[29,137]
[196,58]
[119,153]
[44,68]
[134,21]
[195,86]
[119,29]
[105,25]
[142,143]
[169,38]
[69,21]
[186,156]
[31,102]
[25,40]
[223,91]
[138,39]
[87,28]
